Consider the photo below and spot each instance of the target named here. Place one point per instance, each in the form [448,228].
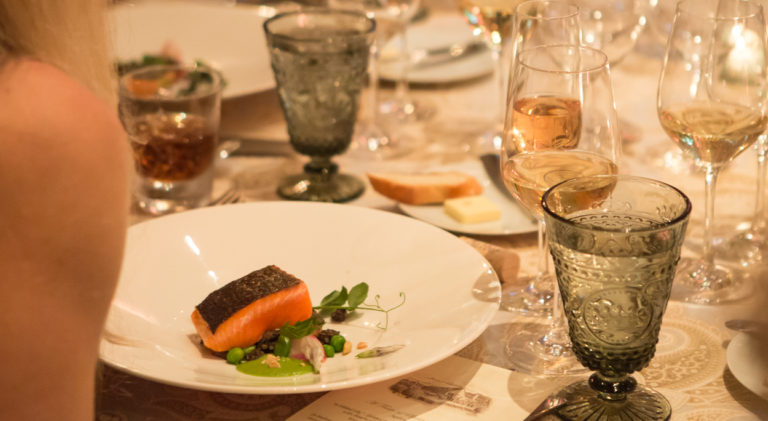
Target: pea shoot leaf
[301,329]
[357,295]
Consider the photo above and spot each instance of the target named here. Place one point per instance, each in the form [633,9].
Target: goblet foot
[321,187]
[584,403]
[544,352]
[697,281]
[531,300]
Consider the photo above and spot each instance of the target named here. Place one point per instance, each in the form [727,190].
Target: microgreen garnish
[354,299]
[302,328]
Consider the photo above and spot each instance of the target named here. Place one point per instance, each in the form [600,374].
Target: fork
[231,195]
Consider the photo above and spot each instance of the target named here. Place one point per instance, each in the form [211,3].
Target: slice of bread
[425,188]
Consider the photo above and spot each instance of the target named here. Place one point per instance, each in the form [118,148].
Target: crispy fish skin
[239,313]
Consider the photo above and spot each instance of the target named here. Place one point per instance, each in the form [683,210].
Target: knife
[441,55]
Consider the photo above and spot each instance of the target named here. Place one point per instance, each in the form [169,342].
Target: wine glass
[536,23]
[615,241]
[712,104]
[319,58]
[373,139]
[561,124]
[492,19]
[402,107]
[612,26]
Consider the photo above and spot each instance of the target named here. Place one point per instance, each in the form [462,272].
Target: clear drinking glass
[712,104]
[171,115]
[537,23]
[561,124]
[615,241]
[319,58]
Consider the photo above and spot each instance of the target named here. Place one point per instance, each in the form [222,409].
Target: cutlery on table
[547,407]
[440,55]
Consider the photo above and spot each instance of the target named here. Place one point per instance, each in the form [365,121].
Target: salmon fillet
[239,313]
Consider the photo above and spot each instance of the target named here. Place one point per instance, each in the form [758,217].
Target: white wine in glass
[712,104]
[529,175]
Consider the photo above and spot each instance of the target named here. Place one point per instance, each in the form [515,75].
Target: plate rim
[197,7]
[736,346]
[435,357]
[467,166]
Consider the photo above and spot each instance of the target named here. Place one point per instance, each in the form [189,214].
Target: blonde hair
[69,34]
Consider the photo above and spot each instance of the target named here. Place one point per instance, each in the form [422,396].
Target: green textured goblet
[319,59]
[615,241]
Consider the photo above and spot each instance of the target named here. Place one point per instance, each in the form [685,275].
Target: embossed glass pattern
[615,241]
[319,59]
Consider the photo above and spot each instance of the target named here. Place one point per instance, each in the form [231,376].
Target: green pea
[283,346]
[337,342]
[329,351]
[235,355]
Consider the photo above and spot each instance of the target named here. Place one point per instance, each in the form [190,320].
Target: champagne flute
[536,23]
[712,104]
[561,124]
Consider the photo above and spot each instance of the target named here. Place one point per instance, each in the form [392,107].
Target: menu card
[455,389]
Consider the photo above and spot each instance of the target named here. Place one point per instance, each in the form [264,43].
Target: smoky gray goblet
[319,59]
[615,241]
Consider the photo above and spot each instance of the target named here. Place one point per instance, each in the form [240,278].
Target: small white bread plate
[227,37]
[172,263]
[514,219]
[744,356]
[437,32]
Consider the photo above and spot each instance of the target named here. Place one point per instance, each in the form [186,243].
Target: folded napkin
[505,262]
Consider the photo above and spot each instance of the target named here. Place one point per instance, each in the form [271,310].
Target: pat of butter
[472,210]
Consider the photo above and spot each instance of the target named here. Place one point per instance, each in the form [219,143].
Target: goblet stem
[612,388]
[321,165]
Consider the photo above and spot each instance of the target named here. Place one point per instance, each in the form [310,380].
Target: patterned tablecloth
[690,366]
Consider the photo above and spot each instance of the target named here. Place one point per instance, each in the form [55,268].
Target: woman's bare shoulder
[42,101]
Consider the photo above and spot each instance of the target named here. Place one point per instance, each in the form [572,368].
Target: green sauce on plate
[288,367]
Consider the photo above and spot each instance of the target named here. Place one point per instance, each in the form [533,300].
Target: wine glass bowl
[615,241]
[712,105]
[612,26]
[319,59]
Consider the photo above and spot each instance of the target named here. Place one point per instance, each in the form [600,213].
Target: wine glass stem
[401,84]
[543,263]
[498,77]
[710,179]
[373,83]
[758,223]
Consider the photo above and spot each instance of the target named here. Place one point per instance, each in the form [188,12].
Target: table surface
[690,366]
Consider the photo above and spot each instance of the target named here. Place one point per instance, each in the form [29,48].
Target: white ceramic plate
[227,37]
[514,220]
[173,263]
[743,356]
[438,31]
